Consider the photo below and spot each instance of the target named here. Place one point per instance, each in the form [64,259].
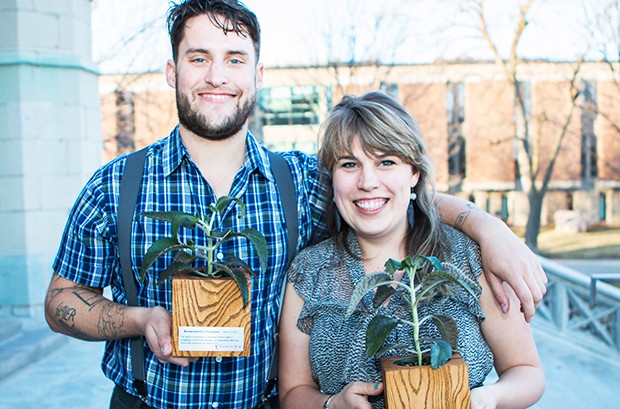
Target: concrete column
[50,138]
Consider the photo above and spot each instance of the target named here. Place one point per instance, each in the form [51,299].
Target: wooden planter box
[208,318]
[417,387]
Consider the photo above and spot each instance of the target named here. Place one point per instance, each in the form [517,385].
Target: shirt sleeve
[87,254]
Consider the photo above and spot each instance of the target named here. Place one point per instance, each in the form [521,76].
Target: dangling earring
[337,218]
[410,211]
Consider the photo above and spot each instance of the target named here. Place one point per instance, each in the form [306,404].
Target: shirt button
[220,256]
[218,359]
[215,405]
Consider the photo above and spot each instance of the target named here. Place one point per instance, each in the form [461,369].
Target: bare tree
[535,161]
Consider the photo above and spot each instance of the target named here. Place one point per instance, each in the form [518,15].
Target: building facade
[473,119]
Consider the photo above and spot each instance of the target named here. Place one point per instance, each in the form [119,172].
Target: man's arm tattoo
[66,319]
[111,323]
[462,217]
[88,297]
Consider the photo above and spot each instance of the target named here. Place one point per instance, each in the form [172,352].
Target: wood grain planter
[208,318]
[424,387]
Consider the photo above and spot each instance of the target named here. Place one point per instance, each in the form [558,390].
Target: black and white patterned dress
[325,275]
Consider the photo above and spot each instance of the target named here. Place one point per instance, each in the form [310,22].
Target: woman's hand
[355,395]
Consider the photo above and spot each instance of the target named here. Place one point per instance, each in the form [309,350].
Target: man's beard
[196,122]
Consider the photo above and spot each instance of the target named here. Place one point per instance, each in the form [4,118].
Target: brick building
[467,112]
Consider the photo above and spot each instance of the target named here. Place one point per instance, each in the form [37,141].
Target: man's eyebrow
[206,51]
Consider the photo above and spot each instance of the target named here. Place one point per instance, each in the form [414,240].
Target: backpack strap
[288,196]
[128,196]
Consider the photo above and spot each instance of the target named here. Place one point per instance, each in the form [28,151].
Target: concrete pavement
[69,376]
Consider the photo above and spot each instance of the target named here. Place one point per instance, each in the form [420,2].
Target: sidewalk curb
[26,347]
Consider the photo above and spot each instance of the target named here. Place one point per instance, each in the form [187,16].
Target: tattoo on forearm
[88,297]
[65,313]
[111,321]
[66,319]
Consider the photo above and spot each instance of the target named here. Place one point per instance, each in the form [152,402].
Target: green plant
[188,252]
[427,278]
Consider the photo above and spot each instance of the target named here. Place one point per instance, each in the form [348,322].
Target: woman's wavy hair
[383,125]
[229,15]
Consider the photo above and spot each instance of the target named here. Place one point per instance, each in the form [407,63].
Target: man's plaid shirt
[88,255]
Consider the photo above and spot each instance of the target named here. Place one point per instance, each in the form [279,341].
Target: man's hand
[157,324]
[505,258]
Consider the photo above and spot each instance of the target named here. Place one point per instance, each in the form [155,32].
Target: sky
[130,35]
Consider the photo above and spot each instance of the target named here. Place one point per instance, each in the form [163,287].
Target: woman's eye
[347,165]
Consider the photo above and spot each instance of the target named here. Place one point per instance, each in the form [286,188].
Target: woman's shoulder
[456,237]
[319,251]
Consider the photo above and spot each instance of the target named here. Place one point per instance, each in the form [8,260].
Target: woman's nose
[368,180]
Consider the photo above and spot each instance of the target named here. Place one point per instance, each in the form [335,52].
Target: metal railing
[581,308]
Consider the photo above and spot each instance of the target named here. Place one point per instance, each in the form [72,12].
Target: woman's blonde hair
[383,125]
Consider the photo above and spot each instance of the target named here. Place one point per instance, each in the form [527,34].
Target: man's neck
[218,161]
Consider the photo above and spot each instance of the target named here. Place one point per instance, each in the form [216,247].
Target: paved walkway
[69,377]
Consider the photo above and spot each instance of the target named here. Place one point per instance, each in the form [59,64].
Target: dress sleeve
[302,274]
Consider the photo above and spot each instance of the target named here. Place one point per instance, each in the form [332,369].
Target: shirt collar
[255,157]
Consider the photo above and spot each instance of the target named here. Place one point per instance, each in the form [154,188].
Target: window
[589,168]
[602,207]
[455,106]
[297,105]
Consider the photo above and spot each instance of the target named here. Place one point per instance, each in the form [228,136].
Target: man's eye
[236,61]
[199,60]
[347,165]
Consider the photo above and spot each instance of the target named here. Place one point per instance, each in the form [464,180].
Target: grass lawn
[598,242]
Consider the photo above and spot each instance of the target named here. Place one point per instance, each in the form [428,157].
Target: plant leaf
[368,282]
[378,330]
[392,266]
[177,219]
[447,328]
[383,293]
[260,245]
[172,269]
[441,351]
[234,262]
[239,277]
[157,249]
[223,201]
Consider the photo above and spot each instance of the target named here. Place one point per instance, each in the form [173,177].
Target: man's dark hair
[229,15]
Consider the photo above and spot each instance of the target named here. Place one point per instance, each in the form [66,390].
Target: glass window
[298,105]
[455,106]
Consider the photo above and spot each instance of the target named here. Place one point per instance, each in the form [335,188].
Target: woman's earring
[337,219]
[410,211]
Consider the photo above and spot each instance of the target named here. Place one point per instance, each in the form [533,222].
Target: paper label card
[225,339]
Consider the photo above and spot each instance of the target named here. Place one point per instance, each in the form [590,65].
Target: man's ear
[171,74]
[260,69]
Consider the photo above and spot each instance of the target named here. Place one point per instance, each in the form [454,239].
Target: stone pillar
[50,138]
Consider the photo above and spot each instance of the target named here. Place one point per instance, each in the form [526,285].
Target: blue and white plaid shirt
[89,255]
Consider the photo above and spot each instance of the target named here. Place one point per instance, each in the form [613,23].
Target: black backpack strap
[128,196]
[286,187]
